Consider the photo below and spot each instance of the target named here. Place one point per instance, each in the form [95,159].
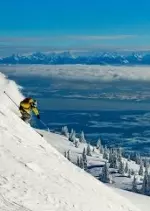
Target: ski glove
[38,116]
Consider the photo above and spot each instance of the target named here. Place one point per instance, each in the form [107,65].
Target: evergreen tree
[121,168]
[84,153]
[115,162]
[81,163]
[105,177]
[64,131]
[72,131]
[76,143]
[65,154]
[72,136]
[129,173]
[126,168]
[78,161]
[146,170]
[84,159]
[137,158]
[141,170]
[119,154]
[105,154]
[134,185]
[85,163]
[113,159]
[82,138]
[146,184]
[88,150]
[146,163]
[129,158]
[102,150]
[68,155]
[132,172]
[98,144]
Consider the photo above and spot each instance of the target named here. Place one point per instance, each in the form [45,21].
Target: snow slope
[35,176]
[141,201]
[62,144]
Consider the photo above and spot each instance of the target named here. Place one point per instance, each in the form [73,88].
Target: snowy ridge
[72,57]
[34,176]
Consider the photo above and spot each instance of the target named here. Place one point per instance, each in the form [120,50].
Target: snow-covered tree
[146,170]
[98,144]
[121,168]
[141,170]
[115,162]
[134,185]
[105,154]
[132,172]
[126,168]
[129,173]
[68,155]
[84,159]
[84,153]
[72,136]
[105,177]
[146,163]
[85,164]
[76,143]
[146,184]
[82,138]
[119,154]
[78,161]
[137,158]
[129,158]
[64,131]
[65,154]
[88,150]
[102,150]
[113,159]
[81,163]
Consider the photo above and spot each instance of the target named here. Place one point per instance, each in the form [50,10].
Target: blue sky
[74,24]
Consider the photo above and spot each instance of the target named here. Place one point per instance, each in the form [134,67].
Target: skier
[27,106]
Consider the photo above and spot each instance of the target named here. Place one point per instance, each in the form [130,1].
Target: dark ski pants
[26,117]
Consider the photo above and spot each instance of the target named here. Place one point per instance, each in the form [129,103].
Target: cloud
[24,40]
[97,37]
[20,44]
[83,72]
[35,39]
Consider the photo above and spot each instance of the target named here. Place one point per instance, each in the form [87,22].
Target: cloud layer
[82,72]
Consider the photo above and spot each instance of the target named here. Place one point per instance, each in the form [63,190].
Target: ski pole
[11,99]
[43,123]
[39,133]
[18,107]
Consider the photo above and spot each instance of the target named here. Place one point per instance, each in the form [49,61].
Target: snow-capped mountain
[34,176]
[68,57]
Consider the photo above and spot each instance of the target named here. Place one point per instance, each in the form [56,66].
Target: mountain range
[68,57]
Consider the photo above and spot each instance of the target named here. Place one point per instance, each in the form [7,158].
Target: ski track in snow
[36,177]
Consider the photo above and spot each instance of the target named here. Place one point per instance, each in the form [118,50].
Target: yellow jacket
[27,106]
